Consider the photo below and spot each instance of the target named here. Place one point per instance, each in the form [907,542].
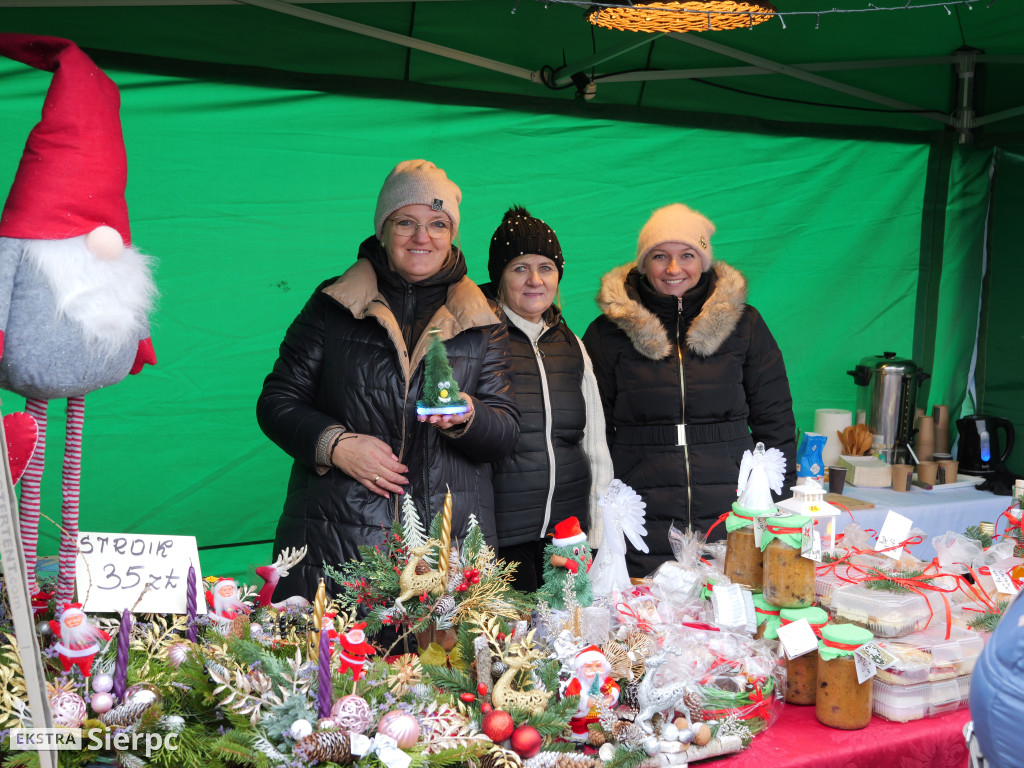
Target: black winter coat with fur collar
[726,381]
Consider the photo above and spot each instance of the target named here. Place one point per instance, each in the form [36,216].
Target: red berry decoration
[498,725]
[485,707]
[469,698]
[481,689]
[526,741]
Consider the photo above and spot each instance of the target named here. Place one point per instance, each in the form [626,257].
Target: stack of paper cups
[940,413]
[829,421]
[925,443]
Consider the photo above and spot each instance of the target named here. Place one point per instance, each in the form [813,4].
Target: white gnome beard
[83,634]
[226,604]
[108,300]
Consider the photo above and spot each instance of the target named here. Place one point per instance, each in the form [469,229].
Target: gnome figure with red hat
[74,293]
[225,604]
[593,684]
[79,641]
[568,561]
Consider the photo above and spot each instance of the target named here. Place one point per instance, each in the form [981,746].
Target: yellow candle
[319,604]
[446,533]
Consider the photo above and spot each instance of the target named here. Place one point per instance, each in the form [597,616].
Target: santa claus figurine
[74,293]
[225,603]
[354,650]
[593,684]
[79,641]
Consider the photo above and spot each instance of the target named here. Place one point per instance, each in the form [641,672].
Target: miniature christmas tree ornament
[440,390]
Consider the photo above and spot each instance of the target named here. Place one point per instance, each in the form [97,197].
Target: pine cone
[334,746]
[125,714]
[596,738]
[422,568]
[240,627]
[500,758]
[694,704]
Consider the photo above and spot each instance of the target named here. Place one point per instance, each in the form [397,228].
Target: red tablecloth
[798,740]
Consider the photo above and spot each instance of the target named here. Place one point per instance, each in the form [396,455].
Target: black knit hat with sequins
[519,234]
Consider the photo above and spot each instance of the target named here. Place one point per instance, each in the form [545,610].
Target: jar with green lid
[767,618]
[842,702]
[788,575]
[802,672]
[744,563]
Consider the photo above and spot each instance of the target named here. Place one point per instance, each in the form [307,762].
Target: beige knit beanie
[417,182]
[676,224]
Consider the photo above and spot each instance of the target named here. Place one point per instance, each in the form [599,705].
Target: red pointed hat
[568,532]
[590,653]
[73,173]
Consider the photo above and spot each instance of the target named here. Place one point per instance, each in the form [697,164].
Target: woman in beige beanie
[341,400]
[690,378]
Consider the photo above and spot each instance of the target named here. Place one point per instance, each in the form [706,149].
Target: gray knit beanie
[417,182]
[676,224]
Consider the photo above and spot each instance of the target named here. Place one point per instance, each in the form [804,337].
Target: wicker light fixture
[682,15]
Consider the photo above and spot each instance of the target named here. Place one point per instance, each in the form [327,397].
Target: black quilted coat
[729,373]
[344,361]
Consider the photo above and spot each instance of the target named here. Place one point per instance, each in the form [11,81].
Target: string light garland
[704,15]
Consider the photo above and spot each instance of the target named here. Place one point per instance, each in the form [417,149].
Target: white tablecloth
[934,512]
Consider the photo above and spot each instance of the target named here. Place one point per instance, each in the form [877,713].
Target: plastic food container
[886,614]
[927,656]
[841,702]
[788,576]
[912,702]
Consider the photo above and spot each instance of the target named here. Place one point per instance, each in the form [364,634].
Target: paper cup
[901,477]
[836,479]
[928,472]
[947,470]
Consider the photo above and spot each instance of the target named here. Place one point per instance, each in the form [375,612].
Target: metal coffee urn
[886,398]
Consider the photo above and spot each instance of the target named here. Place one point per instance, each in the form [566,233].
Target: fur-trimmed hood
[715,321]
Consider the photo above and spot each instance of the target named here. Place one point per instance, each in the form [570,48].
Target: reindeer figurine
[417,578]
[520,656]
[273,573]
[651,699]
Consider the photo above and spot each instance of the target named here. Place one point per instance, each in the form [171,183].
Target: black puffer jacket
[344,361]
[730,375]
[530,494]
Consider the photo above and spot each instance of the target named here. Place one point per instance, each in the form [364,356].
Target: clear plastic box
[927,656]
[902,703]
[828,579]
[887,614]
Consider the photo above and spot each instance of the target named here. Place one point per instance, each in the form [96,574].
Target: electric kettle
[979,449]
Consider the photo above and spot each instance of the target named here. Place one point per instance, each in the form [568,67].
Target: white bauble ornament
[351,713]
[669,732]
[102,683]
[300,729]
[326,724]
[142,693]
[68,709]
[651,745]
[606,752]
[101,702]
[685,735]
[174,723]
[400,726]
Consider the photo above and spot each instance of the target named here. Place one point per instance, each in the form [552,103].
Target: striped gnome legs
[70,481]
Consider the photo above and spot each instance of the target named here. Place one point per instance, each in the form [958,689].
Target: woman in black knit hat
[560,464]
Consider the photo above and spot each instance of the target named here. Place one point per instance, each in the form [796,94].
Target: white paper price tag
[866,668]
[797,638]
[810,546]
[878,655]
[760,526]
[732,608]
[895,529]
[1003,582]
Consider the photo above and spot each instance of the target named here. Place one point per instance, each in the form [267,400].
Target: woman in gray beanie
[560,465]
[690,378]
[341,399]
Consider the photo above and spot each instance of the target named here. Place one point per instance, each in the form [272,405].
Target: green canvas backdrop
[248,197]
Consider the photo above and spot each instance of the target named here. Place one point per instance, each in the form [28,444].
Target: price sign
[114,570]
[866,668]
[878,655]
[1004,584]
[797,638]
[895,530]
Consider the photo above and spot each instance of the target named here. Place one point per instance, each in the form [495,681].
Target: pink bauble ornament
[101,702]
[526,741]
[102,683]
[351,713]
[177,653]
[400,726]
[68,709]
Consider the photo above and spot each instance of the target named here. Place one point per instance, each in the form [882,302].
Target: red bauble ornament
[498,725]
[526,741]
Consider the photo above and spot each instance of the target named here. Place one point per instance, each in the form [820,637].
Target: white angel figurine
[623,513]
[761,472]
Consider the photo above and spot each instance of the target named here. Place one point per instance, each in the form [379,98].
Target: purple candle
[324,691]
[190,603]
[121,662]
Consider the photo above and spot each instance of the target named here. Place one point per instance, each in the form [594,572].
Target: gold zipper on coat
[682,397]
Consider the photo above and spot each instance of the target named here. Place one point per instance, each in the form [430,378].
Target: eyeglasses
[407,227]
